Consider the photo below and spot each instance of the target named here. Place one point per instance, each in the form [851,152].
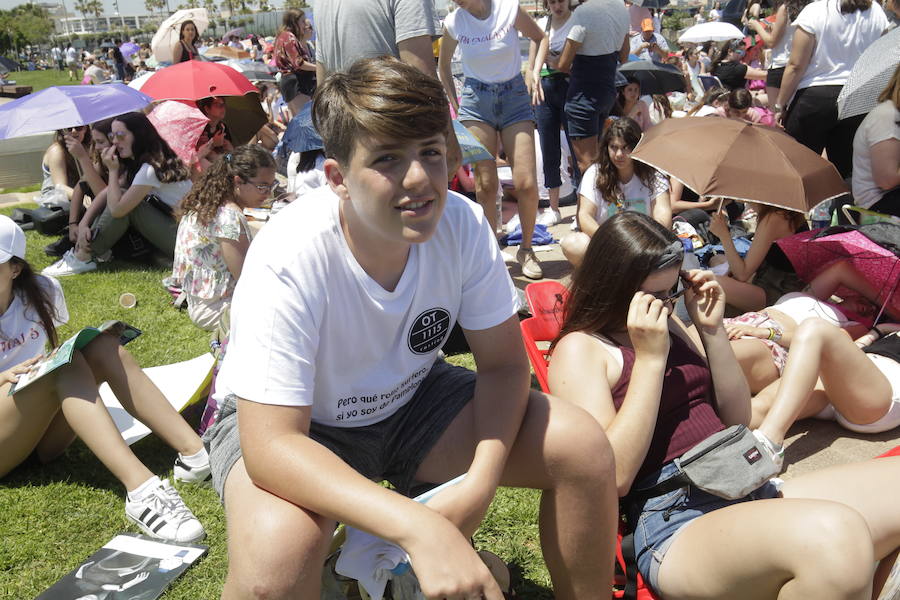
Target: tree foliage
[296,4]
[23,25]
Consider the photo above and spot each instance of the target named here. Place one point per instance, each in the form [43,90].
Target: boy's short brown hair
[379,97]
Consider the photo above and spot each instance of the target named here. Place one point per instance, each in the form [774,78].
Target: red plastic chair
[891,452]
[546,300]
[534,331]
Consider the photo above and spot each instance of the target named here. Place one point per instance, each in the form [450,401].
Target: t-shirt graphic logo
[429,330]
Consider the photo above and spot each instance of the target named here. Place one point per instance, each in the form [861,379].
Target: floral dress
[199,266]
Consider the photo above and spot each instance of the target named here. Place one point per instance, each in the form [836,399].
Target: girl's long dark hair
[73,174]
[607,180]
[216,185]
[148,147]
[36,295]
[622,253]
[104,127]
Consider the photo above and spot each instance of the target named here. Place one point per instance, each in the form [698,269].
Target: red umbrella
[194,79]
[810,255]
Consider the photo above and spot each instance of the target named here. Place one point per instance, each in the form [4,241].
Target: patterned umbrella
[870,76]
[180,125]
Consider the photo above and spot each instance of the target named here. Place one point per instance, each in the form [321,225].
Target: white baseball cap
[12,240]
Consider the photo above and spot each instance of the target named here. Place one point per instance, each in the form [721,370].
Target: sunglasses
[263,188]
[75,129]
[113,135]
[671,296]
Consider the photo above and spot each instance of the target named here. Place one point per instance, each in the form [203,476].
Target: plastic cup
[127,300]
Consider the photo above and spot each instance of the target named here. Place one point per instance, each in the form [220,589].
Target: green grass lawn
[53,516]
[43,79]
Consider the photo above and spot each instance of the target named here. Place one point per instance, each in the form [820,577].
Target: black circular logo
[429,330]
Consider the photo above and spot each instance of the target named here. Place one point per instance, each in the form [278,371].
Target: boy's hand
[448,567]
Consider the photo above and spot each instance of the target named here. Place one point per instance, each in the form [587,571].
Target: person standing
[71,56]
[298,69]
[830,36]
[597,42]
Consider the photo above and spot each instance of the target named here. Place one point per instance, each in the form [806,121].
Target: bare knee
[574,246]
[814,330]
[838,548]
[578,449]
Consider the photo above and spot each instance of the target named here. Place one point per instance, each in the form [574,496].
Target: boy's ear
[333,173]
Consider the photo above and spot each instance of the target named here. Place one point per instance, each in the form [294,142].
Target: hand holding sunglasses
[706,301]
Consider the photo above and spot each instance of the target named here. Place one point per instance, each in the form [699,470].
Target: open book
[129,566]
[62,355]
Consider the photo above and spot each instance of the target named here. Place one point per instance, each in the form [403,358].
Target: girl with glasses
[213,234]
[622,356]
[153,182]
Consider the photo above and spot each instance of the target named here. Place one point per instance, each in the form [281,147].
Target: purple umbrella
[59,107]
[128,48]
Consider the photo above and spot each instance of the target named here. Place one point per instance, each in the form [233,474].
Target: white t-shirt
[879,125]
[309,327]
[600,26]
[636,196]
[781,51]
[840,39]
[170,193]
[489,47]
[557,36]
[71,55]
[21,334]
[96,74]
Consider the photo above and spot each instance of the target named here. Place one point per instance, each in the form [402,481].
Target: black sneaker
[59,247]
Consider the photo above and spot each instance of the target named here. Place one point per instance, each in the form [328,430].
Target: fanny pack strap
[679,480]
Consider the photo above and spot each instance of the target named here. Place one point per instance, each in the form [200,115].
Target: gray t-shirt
[600,26]
[348,30]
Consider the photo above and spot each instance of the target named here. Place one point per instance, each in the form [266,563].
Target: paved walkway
[811,444]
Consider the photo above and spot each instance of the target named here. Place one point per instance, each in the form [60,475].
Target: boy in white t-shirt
[333,371]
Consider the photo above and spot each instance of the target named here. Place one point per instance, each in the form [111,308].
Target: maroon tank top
[686,413]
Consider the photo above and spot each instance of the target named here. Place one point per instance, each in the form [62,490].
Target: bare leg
[554,198]
[574,247]
[112,363]
[275,549]
[486,181]
[742,295]
[756,363]
[781,548]
[28,414]
[762,403]
[858,390]
[585,151]
[563,452]
[518,139]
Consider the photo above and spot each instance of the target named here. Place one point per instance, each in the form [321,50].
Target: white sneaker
[162,514]
[196,475]
[69,265]
[549,217]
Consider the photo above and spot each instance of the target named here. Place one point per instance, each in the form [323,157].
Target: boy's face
[392,190]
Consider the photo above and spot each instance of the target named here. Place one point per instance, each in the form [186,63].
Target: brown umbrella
[735,159]
[226,52]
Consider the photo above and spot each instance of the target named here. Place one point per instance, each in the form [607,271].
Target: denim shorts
[496,104]
[591,94]
[390,449]
[656,523]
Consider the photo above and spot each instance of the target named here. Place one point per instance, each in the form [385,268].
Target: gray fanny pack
[729,464]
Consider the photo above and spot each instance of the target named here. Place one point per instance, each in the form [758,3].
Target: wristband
[73,222]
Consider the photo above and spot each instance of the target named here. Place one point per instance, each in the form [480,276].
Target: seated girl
[213,235]
[44,418]
[761,340]
[617,183]
[155,182]
[829,376]
[60,165]
[629,103]
[627,361]
[765,273]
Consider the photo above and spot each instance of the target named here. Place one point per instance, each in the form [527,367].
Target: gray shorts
[391,449]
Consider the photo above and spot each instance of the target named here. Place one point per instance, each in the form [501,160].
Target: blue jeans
[656,521]
[551,115]
[496,104]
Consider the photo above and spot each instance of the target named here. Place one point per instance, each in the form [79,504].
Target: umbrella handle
[721,202]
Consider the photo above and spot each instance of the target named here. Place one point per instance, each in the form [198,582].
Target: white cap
[12,240]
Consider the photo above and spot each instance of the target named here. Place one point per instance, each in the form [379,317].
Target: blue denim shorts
[497,104]
[657,522]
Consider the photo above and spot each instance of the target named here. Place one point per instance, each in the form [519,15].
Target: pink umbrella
[809,256]
[180,125]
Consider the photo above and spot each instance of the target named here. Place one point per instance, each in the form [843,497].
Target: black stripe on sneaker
[156,529]
[147,512]
[180,463]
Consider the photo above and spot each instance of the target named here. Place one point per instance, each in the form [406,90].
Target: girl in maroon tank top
[658,391]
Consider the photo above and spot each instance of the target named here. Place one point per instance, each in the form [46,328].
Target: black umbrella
[655,77]
[7,64]
[652,3]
